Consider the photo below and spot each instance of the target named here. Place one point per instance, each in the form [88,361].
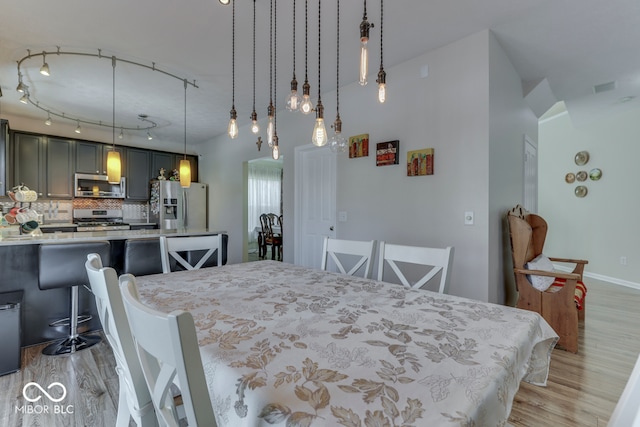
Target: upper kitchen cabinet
[193,160]
[29,162]
[60,167]
[4,150]
[161,159]
[91,157]
[138,166]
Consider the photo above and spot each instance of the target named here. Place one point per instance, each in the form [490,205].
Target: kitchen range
[99,220]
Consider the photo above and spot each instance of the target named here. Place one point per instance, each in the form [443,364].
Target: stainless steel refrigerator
[173,207]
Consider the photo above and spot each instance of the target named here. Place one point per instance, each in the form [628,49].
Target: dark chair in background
[142,257]
[269,237]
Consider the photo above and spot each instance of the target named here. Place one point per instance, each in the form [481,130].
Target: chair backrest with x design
[332,248]
[175,247]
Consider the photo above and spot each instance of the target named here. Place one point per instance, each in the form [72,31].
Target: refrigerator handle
[184,209]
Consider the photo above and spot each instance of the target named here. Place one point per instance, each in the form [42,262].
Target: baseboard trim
[602,277]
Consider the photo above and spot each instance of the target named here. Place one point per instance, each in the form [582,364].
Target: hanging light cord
[271,52]
[254,56]
[365,10]
[319,67]
[233,54]
[381,25]
[275,66]
[294,39]
[185,120]
[306,38]
[113,128]
[338,62]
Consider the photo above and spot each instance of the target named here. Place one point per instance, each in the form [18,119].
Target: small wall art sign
[387,153]
[420,162]
[359,146]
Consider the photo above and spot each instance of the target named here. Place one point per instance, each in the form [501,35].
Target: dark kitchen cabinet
[91,157]
[60,167]
[138,166]
[29,162]
[161,159]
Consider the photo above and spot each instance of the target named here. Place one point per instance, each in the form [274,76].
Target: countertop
[8,240]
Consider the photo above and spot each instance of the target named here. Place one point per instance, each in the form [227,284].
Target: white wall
[447,111]
[604,225]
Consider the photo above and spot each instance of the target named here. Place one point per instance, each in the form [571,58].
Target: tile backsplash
[61,211]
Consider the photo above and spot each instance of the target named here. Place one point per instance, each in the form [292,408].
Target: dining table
[286,345]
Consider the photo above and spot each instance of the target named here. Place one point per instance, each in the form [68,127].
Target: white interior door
[530,175]
[315,214]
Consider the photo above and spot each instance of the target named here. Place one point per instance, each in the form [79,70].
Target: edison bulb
[382,92]
[364,60]
[293,101]
[338,143]
[275,152]
[233,129]
[270,131]
[255,128]
[306,107]
[319,137]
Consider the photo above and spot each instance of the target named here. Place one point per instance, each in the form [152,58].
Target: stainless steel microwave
[98,186]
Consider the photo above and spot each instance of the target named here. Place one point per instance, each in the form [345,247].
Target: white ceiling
[574,44]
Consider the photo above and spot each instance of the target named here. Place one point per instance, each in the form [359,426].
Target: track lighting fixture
[224,2]
[121,134]
[382,75]
[25,98]
[44,70]
[149,137]
[364,49]
[48,121]
[78,128]
[319,137]
[233,125]
[307,106]
[22,88]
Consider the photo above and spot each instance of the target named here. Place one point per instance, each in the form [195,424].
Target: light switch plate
[468,218]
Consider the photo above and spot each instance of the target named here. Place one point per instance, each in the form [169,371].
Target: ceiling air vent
[604,87]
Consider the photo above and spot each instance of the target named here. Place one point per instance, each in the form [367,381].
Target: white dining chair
[440,260]
[171,247]
[334,248]
[134,400]
[627,411]
[168,352]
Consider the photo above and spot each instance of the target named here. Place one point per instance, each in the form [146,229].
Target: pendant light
[364,50]
[185,165]
[44,70]
[271,109]
[255,127]
[307,106]
[338,143]
[293,99]
[78,128]
[382,75]
[48,121]
[319,137]
[114,165]
[275,148]
[233,125]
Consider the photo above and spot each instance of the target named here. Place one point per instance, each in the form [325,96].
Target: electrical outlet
[468,218]
[623,260]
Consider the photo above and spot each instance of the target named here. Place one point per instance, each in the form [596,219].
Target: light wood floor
[582,389]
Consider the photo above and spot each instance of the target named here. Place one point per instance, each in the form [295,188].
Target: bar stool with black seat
[142,257]
[61,265]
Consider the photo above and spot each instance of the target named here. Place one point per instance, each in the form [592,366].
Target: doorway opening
[264,196]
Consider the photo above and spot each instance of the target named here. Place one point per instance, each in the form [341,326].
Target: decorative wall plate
[581,191]
[570,178]
[581,176]
[595,174]
[582,157]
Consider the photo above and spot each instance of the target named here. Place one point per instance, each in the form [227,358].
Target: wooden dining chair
[346,252]
[174,250]
[167,348]
[135,400]
[561,299]
[438,260]
[269,238]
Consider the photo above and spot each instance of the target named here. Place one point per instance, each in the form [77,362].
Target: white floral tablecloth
[291,346]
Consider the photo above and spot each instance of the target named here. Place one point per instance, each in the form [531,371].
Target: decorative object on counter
[27,97]
[22,213]
[420,162]
[359,146]
[595,174]
[581,158]
[175,175]
[581,191]
[581,176]
[387,153]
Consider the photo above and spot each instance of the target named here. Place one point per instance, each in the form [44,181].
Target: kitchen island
[19,272]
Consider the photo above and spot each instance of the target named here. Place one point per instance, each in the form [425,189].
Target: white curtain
[265,187]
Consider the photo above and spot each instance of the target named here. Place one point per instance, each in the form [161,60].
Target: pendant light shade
[292,102]
[382,75]
[306,107]
[185,165]
[114,167]
[114,164]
